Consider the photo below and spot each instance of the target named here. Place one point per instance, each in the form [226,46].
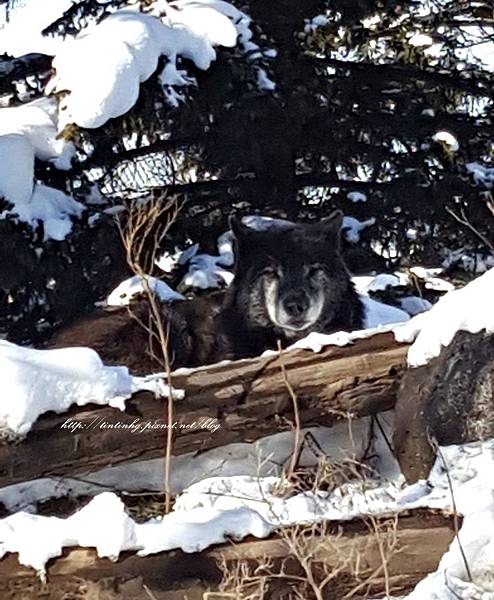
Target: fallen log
[353,550]
[247,399]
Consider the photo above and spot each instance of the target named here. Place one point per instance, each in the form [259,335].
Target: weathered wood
[248,398]
[422,538]
[450,400]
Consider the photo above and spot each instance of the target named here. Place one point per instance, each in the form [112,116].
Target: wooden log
[422,537]
[248,399]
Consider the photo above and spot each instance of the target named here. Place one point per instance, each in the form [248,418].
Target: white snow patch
[37,381]
[465,309]
[37,121]
[448,139]
[53,208]
[431,279]
[128,289]
[356,197]
[482,174]
[420,39]
[352,227]
[26,132]
[103,67]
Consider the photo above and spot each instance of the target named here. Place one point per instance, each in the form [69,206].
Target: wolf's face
[289,277]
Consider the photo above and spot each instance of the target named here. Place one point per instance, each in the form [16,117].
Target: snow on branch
[27,132]
[101,69]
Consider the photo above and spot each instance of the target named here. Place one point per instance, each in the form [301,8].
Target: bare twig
[145,227]
[297,446]
[463,220]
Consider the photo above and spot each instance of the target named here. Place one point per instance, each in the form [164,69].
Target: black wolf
[289,282]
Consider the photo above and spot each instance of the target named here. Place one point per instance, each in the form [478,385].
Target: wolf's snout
[296,304]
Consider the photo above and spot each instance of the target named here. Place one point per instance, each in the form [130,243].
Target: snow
[378,314]
[37,122]
[216,509]
[26,132]
[415,305]
[206,272]
[465,309]
[352,227]
[482,174]
[37,381]
[384,280]
[125,291]
[22,33]
[53,208]
[356,197]
[448,139]
[103,67]
[420,39]
[431,279]
[468,261]
[264,457]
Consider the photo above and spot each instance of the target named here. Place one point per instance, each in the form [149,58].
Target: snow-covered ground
[240,498]
[219,508]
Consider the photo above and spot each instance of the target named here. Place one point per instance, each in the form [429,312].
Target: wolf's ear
[240,231]
[330,226]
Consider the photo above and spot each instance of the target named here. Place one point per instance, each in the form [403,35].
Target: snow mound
[53,208]
[352,228]
[37,381]
[37,121]
[378,314]
[125,291]
[102,68]
[26,132]
[465,309]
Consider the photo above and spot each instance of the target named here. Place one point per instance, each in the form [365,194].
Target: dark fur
[292,252]
[304,260]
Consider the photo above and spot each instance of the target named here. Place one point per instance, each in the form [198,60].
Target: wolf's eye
[269,272]
[314,271]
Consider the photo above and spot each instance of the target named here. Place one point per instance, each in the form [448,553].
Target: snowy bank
[216,509]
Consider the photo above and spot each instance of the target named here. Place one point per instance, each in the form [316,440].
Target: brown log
[248,398]
[422,538]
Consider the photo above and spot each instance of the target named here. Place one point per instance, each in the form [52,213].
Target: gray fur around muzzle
[293,309]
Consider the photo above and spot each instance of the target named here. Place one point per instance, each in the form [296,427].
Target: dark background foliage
[355,108]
